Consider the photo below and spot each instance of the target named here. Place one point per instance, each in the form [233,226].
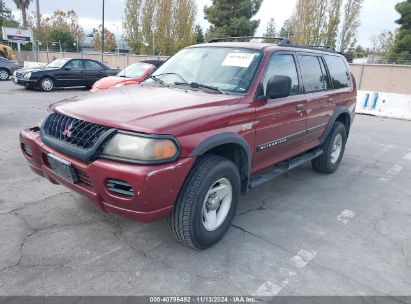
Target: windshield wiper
[196,85]
[176,74]
[157,80]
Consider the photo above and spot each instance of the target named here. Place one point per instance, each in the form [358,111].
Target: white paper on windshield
[242,60]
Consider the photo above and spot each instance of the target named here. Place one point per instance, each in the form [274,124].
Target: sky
[376,16]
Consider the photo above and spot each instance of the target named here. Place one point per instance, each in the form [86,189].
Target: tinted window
[283,65]
[75,65]
[340,77]
[311,71]
[92,65]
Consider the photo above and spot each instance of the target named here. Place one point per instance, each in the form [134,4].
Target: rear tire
[334,147]
[200,217]
[4,75]
[46,84]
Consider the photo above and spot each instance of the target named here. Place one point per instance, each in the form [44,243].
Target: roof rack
[315,47]
[281,40]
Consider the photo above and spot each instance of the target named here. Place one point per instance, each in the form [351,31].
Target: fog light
[27,150]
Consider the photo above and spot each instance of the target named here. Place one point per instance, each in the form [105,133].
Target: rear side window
[283,65]
[313,77]
[92,65]
[340,77]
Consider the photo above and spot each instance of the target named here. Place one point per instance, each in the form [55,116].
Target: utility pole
[38,27]
[102,37]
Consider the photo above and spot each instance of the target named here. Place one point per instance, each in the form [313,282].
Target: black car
[65,72]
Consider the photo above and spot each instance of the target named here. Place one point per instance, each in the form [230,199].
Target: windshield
[58,63]
[227,69]
[136,70]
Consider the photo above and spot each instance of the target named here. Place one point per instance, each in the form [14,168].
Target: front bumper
[25,82]
[155,187]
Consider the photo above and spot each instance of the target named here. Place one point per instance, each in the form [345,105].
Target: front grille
[79,133]
[19,75]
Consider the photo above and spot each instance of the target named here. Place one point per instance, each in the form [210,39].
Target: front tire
[4,74]
[46,84]
[334,147]
[207,202]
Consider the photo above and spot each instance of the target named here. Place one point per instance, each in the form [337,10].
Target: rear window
[340,76]
[313,77]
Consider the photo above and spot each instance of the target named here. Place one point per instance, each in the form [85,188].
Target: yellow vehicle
[7,52]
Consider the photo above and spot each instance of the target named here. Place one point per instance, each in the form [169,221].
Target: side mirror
[67,69]
[278,86]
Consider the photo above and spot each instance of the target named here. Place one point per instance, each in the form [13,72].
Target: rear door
[94,71]
[320,104]
[280,123]
[71,74]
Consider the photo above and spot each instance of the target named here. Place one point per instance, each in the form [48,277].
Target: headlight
[119,85]
[140,148]
[27,76]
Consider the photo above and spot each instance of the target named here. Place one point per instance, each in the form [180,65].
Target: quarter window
[283,65]
[313,77]
[340,77]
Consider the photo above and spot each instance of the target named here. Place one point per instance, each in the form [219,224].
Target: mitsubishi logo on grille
[67,131]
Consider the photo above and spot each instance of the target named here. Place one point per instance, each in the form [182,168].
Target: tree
[382,43]
[309,22]
[401,50]
[199,34]
[286,31]
[133,22]
[23,5]
[271,30]
[6,18]
[62,38]
[350,24]
[232,18]
[161,26]
[184,34]
[110,43]
[333,22]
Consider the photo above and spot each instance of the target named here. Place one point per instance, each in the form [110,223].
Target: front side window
[340,76]
[74,65]
[313,77]
[283,65]
[91,65]
[231,70]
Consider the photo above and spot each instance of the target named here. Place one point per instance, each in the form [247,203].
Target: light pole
[102,36]
[118,46]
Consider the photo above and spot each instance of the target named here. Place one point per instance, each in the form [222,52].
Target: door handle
[331,101]
[300,107]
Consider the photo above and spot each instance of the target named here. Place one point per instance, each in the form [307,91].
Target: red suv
[214,121]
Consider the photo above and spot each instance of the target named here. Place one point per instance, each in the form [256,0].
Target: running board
[283,167]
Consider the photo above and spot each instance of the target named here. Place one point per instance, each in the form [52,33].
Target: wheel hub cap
[213,203]
[336,148]
[217,204]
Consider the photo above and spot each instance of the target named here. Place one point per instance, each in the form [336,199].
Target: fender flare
[338,112]
[223,139]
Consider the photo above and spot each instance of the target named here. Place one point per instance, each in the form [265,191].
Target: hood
[140,108]
[38,69]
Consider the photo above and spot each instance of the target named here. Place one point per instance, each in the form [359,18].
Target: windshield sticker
[242,60]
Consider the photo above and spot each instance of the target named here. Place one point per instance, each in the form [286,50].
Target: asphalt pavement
[302,234]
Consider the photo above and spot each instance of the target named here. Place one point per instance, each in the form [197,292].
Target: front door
[72,74]
[280,123]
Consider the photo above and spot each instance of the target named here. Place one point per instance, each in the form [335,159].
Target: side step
[283,167]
